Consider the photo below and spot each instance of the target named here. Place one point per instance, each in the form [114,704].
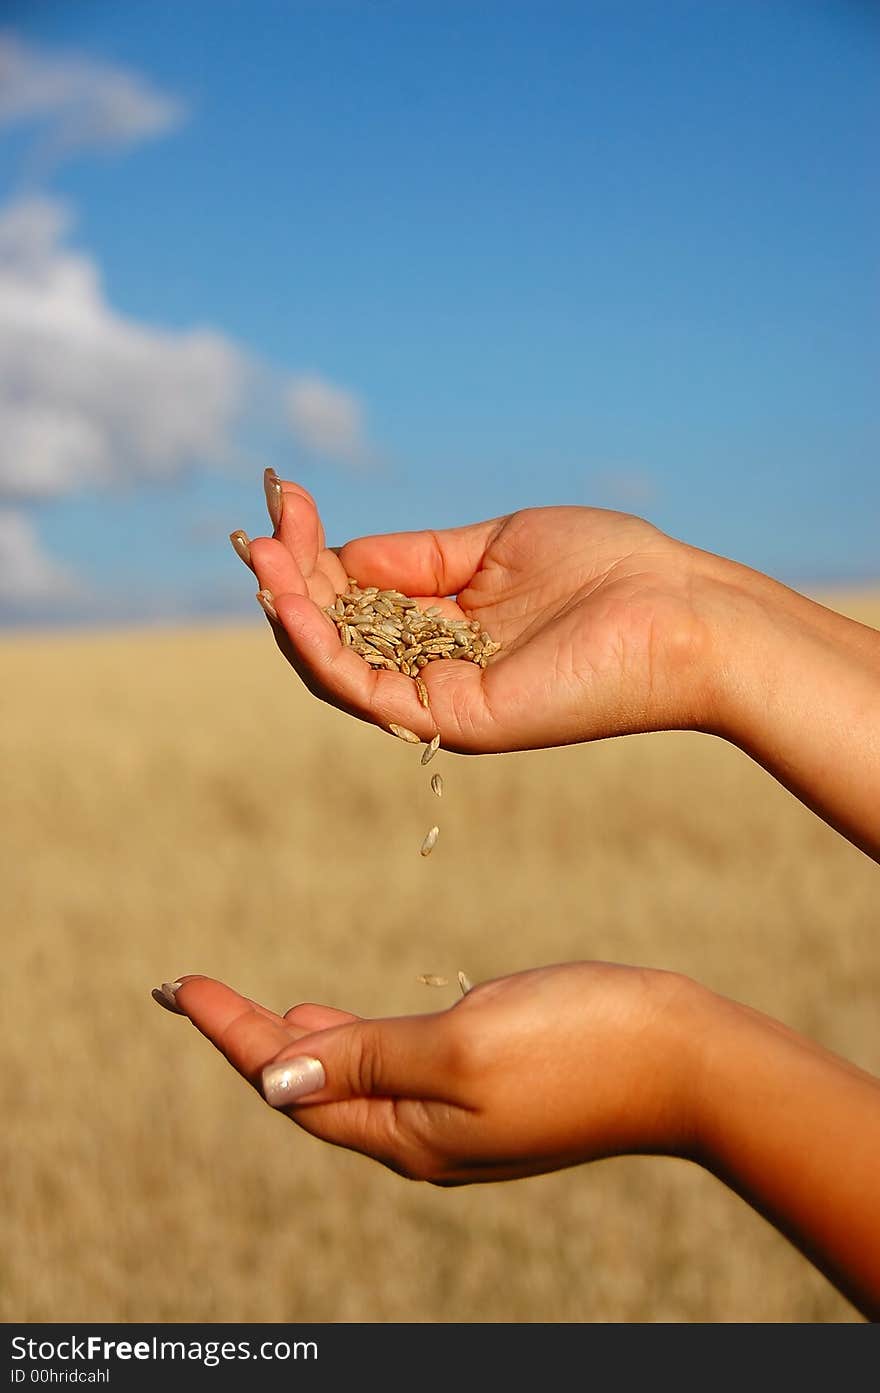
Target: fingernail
[465,983]
[274,496]
[265,598]
[292,1079]
[166,995]
[242,543]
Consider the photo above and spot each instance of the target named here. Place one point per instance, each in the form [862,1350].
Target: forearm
[795,1131]
[797,687]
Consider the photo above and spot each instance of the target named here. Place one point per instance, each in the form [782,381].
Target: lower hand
[526,1074]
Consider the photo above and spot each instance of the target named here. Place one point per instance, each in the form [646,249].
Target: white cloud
[78,102]
[90,396]
[87,395]
[27,572]
[326,419]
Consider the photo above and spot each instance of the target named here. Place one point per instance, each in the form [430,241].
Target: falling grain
[392,633]
[430,841]
[403,733]
[430,750]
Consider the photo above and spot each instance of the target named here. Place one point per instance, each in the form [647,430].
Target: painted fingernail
[265,598]
[284,1083]
[242,543]
[274,496]
[166,996]
[465,983]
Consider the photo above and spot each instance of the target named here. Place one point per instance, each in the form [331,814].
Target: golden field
[174,801]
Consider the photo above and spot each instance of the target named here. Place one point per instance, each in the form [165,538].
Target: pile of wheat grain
[389,630]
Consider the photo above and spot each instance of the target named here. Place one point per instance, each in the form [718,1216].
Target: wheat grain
[403,733]
[392,633]
[430,841]
[430,750]
[402,637]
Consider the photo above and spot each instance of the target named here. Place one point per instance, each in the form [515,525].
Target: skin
[608,627]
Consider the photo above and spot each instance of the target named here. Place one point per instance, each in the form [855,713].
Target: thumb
[402,1057]
[420,563]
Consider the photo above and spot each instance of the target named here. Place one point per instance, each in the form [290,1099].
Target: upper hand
[599,616]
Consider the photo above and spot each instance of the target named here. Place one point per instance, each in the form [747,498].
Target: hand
[525,1074]
[598,614]
[566,1064]
[608,627]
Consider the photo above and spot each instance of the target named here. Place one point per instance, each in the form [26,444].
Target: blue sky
[437,261]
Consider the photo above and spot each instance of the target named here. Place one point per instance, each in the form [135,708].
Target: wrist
[684,1023]
[717,1047]
[727,1046]
[761,639]
[742,613]
[796,686]
[709,664]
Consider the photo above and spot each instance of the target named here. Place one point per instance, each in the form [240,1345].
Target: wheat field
[174,801]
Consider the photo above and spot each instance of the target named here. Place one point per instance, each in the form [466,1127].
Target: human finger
[386,1089]
[400,1057]
[247,1034]
[337,674]
[308,1016]
[299,529]
[290,489]
[166,996]
[435,563]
